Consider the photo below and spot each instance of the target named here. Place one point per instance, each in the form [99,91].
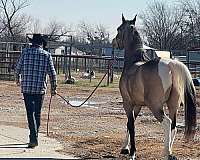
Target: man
[31,73]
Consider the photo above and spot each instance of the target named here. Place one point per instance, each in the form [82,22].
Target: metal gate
[9,54]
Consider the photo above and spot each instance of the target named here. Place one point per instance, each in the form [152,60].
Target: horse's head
[125,32]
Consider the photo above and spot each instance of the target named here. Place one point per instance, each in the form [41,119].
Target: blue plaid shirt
[33,65]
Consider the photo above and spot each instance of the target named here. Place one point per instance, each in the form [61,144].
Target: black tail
[190,110]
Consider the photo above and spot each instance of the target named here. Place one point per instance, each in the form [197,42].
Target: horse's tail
[190,107]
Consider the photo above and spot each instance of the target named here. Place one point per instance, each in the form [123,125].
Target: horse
[153,83]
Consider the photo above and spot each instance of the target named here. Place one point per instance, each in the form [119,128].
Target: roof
[163,54]
[148,48]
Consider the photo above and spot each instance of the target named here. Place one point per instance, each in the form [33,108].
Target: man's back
[34,64]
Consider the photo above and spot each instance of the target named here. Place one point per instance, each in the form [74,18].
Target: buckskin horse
[153,83]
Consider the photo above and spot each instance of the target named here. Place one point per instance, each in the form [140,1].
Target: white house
[61,51]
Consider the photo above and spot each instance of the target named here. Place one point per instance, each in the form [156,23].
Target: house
[60,50]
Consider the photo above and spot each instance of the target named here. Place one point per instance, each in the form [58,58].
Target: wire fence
[10,52]
[8,61]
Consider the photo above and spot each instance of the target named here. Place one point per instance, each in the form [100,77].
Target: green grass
[86,82]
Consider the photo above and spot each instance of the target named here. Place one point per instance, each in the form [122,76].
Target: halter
[140,49]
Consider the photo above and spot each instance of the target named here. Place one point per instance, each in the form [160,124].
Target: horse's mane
[137,44]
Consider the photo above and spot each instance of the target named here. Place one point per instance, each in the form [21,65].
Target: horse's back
[157,79]
[147,83]
[173,76]
[151,82]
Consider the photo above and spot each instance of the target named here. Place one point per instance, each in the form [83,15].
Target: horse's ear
[123,19]
[133,21]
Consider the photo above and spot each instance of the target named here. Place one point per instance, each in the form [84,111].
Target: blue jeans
[33,103]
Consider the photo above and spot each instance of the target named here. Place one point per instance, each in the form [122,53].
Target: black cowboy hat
[38,39]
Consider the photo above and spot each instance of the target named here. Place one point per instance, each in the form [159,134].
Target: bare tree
[93,33]
[54,28]
[35,26]
[102,34]
[10,18]
[162,25]
[86,32]
[191,29]
[92,38]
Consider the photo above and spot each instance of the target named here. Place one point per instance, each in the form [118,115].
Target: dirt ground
[96,131]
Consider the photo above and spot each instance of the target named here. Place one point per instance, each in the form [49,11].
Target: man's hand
[53,92]
[18,83]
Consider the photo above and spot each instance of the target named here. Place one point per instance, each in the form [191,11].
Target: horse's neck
[132,46]
[131,68]
[133,55]
[133,50]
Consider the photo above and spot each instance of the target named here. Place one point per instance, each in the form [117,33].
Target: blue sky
[106,12]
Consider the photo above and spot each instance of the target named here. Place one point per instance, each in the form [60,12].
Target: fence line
[8,60]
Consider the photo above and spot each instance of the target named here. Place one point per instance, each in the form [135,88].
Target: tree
[92,38]
[162,26]
[35,26]
[102,34]
[13,23]
[191,30]
[54,28]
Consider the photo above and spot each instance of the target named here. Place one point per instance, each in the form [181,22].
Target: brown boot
[33,142]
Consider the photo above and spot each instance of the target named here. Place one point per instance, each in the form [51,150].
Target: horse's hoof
[171,157]
[124,151]
[132,157]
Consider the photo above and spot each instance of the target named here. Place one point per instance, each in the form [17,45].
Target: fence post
[85,65]
[111,67]
[65,63]
[69,65]
[188,59]
[108,73]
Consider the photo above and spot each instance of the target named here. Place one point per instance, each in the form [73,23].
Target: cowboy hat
[38,39]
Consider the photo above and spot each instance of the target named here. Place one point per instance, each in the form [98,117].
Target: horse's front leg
[132,113]
[131,129]
[125,148]
[130,137]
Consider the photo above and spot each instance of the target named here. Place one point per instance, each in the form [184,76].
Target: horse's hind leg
[166,124]
[172,115]
[173,104]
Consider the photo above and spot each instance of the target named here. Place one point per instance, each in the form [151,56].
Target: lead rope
[48,117]
[87,97]
[70,103]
